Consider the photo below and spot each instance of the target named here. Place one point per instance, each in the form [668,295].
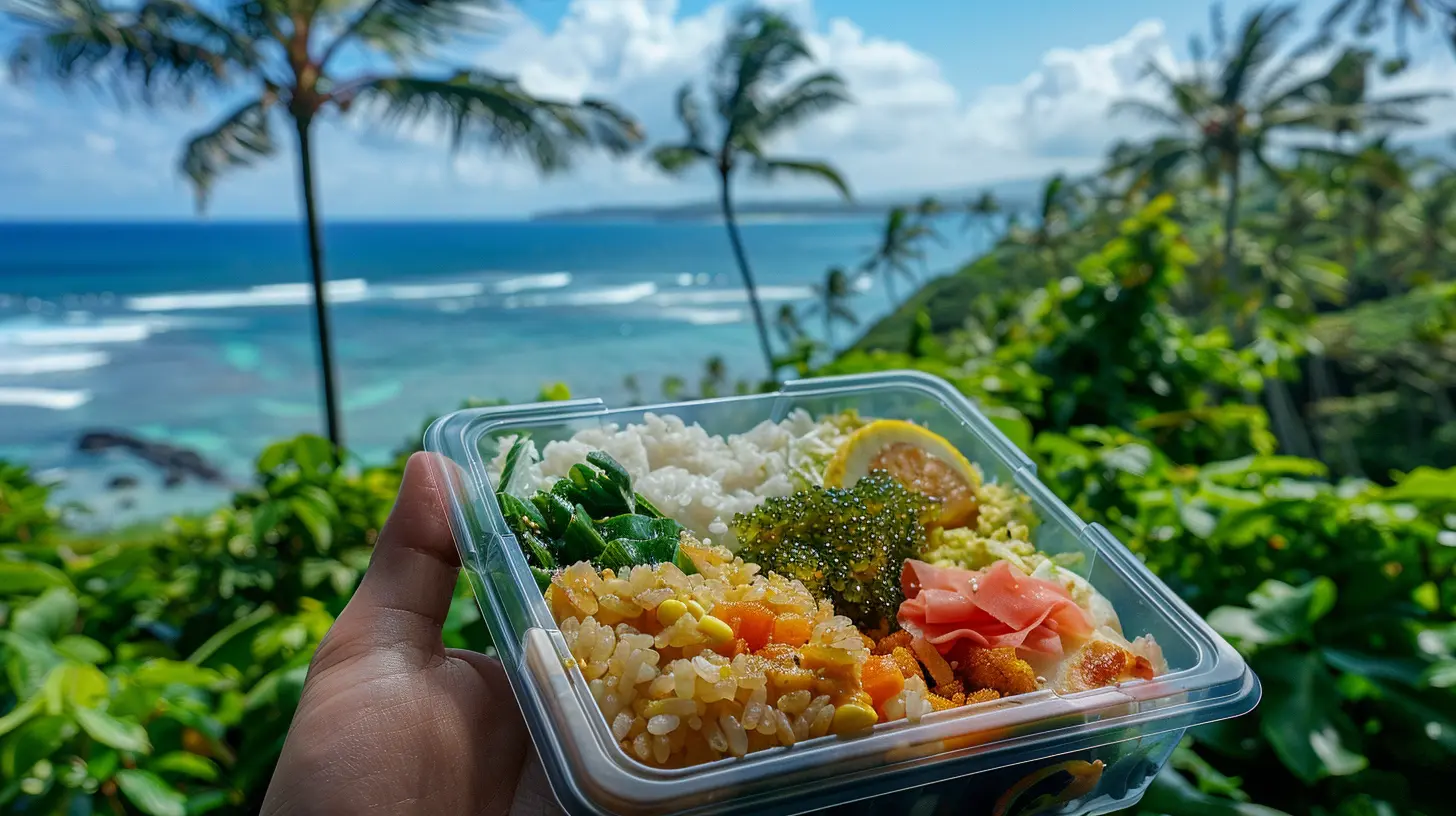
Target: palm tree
[287,60]
[1222,120]
[981,210]
[900,246]
[758,54]
[1370,16]
[1054,223]
[787,324]
[832,302]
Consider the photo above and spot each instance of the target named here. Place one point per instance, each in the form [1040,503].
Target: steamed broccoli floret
[847,544]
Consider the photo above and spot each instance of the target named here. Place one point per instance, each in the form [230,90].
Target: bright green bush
[160,677]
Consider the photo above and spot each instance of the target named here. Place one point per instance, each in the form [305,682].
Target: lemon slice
[921,460]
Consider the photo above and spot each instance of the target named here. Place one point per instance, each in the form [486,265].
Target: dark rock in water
[175,462]
[122,482]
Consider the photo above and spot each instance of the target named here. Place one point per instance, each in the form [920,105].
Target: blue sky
[951,94]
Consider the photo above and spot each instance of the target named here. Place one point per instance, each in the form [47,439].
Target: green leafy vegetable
[591,515]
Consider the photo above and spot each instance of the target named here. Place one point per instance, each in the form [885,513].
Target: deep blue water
[201,333]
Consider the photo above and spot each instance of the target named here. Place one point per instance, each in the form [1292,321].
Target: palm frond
[162,51]
[402,28]
[757,52]
[1260,35]
[769,168]
[812,95]
[497,113]
[239,140]
[674,159]
[1148,111]
[691,115]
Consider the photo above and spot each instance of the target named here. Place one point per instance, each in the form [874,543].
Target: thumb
[402,602]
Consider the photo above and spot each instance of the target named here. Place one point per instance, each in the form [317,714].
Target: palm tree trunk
[320,304]
[829,329]
[748,284]
[1231,224]
[890,286]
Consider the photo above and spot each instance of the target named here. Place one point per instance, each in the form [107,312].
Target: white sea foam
[545,280]
[52,363]
[427,291]
[279,294]
[53,398]
[130,332]
[605,296]
[349,290]
[711,297]
[703,317]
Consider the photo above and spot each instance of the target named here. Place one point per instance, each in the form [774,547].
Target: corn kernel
[815,656]
[670,610]
[716,630]
[852,717]
[695,608]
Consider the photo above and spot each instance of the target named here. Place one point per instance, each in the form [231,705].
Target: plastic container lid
[1207,679]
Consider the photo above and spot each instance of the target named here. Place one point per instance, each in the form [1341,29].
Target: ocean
[200,334]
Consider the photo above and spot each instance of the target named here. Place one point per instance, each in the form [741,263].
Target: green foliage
[159,676]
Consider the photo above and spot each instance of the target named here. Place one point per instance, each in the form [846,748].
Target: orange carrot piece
[794,630]
[751,621]
[881,678]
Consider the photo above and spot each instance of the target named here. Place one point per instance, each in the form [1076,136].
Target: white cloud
[911,128]
[99,144]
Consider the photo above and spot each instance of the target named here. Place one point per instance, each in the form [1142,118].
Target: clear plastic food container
[1091,752]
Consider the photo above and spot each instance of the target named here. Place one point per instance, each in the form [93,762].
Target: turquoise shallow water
[200,334]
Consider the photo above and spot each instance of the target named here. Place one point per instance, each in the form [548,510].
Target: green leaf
[266,519]
[49,616]
[312,453]
[151,794]
[21,714]
[539,552]
[1424,484]
[581,542]
[29,578]
[520,515]
[206,802]
[123,735]
[32,742]
[274,456]
[158,673]
[1209,778]
[79,685]
[185,764]
[1301,717]
[513,459]
[1012,423]
[1280,614]
[646,508]
[82,648]
[1401,670]
[219,642]
[316,521]
[28,663]
[555,510]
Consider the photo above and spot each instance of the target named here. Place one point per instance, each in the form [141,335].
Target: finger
[405,594]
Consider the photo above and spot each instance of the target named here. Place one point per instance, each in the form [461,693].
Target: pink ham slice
[989,608]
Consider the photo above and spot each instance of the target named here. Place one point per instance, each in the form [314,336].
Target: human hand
[391,721]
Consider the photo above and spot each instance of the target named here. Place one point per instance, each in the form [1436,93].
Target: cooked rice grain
[673,696]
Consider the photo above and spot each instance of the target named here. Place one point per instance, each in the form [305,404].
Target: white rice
[699,479]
